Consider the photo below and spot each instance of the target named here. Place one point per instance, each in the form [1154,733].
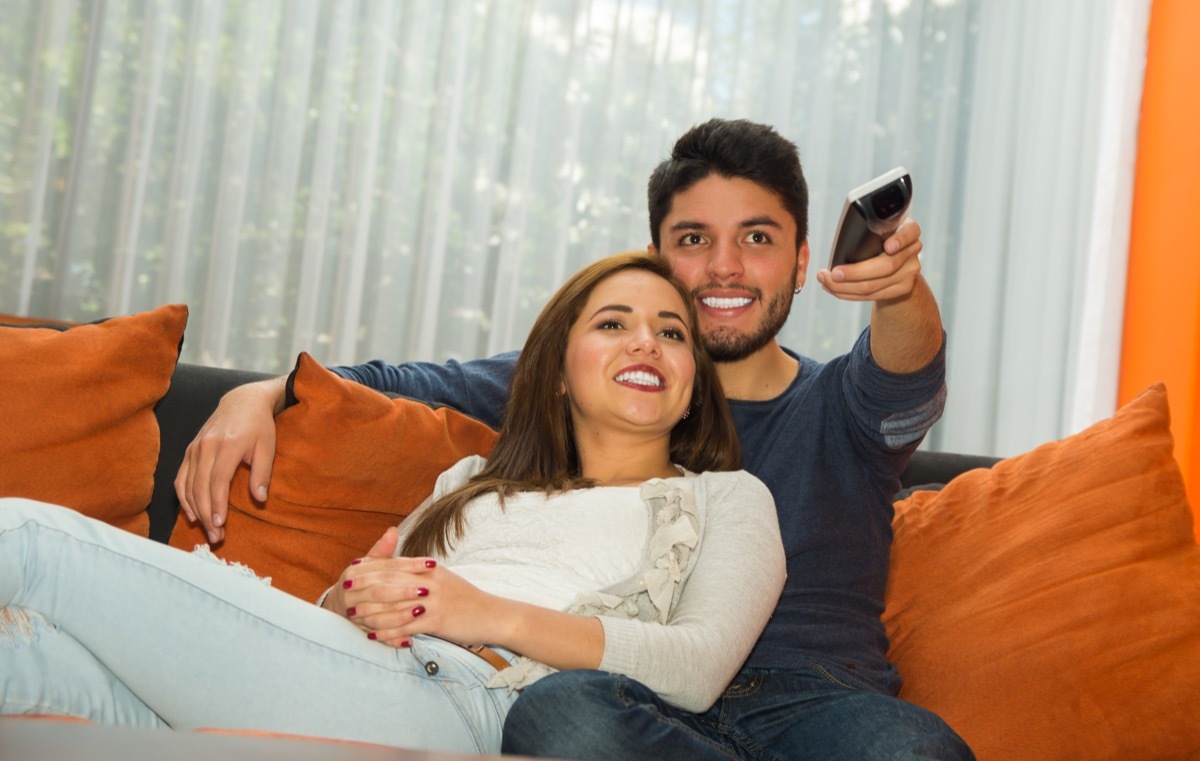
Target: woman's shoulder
[722,483]
[458,474]
[720,476]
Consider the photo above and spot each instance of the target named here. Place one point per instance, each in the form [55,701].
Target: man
[728,209]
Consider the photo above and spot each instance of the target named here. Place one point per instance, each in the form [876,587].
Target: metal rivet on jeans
[431,668]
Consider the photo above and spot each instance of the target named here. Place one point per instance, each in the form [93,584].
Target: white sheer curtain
[410,180]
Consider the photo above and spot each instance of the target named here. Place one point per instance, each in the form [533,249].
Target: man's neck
[763,375]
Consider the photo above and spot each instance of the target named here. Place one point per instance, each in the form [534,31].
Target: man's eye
[758,237]
[691,239]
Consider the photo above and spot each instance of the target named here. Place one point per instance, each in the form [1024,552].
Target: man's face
[733,244]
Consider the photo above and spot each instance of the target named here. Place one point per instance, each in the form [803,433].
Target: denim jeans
[816,713]
[105,625]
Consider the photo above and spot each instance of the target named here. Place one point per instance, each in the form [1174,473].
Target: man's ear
[651,249]
[802,257]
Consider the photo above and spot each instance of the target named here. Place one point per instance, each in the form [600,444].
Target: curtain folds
[411,180]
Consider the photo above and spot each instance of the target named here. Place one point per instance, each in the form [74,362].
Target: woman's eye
[609,325]
[675,334]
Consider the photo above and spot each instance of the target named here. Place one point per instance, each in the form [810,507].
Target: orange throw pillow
[1049,608]
[349,463]
[77,424]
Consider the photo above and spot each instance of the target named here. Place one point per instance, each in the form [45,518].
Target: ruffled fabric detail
[648,596]
[675,537]
[522,673]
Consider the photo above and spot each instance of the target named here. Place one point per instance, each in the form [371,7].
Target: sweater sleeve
[894,410]
[725,602]
[478,388]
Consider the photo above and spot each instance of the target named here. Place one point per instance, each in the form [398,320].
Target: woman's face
[629,363]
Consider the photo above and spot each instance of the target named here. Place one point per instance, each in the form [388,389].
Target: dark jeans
[815,713]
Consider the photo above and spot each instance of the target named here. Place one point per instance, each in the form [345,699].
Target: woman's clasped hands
[393,598]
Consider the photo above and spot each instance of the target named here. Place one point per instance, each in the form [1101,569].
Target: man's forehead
[716,197]
[702,223]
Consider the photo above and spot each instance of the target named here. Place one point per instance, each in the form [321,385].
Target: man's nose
[725,260]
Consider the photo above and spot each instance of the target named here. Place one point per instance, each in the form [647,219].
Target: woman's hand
[335,598]
[408,596]
[391,599]
[394,598]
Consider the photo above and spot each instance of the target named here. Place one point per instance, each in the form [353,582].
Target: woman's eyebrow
[626,309]
[613,308]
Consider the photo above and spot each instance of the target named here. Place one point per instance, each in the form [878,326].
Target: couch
[1047,604]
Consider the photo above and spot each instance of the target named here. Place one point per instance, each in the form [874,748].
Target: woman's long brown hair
[535,449]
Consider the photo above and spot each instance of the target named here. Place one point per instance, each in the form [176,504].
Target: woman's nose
[644,342]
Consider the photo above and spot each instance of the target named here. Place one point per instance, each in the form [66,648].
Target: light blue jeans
[108,626]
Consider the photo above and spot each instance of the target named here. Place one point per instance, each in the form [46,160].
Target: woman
[607,530]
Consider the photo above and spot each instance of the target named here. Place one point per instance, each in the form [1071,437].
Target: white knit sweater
[683,572]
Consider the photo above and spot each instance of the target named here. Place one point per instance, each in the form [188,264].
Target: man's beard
[727,345]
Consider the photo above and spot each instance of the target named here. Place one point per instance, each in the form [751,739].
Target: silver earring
[686,412]
[798,289]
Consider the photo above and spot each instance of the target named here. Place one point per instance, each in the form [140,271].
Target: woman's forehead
[636,287]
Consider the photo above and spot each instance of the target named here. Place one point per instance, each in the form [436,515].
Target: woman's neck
[626,464]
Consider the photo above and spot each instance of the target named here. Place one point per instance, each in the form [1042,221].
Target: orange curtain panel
[1161,338]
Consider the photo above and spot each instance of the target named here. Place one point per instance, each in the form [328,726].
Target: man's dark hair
[733,148]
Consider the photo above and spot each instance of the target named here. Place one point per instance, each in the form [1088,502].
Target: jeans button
[431,668]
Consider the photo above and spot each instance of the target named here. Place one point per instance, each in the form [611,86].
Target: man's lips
[642,378]
[725,299]
[726,302]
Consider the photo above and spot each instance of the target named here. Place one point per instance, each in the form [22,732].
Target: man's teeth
[713,302]
[640,378]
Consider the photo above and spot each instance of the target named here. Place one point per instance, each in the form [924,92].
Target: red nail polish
[406,643]
[422,592]
[347,583]
[350,612]
[372,635]
[355,561]
[420,609]
[431,564]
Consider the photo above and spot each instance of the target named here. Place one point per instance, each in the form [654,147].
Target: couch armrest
[940,467]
